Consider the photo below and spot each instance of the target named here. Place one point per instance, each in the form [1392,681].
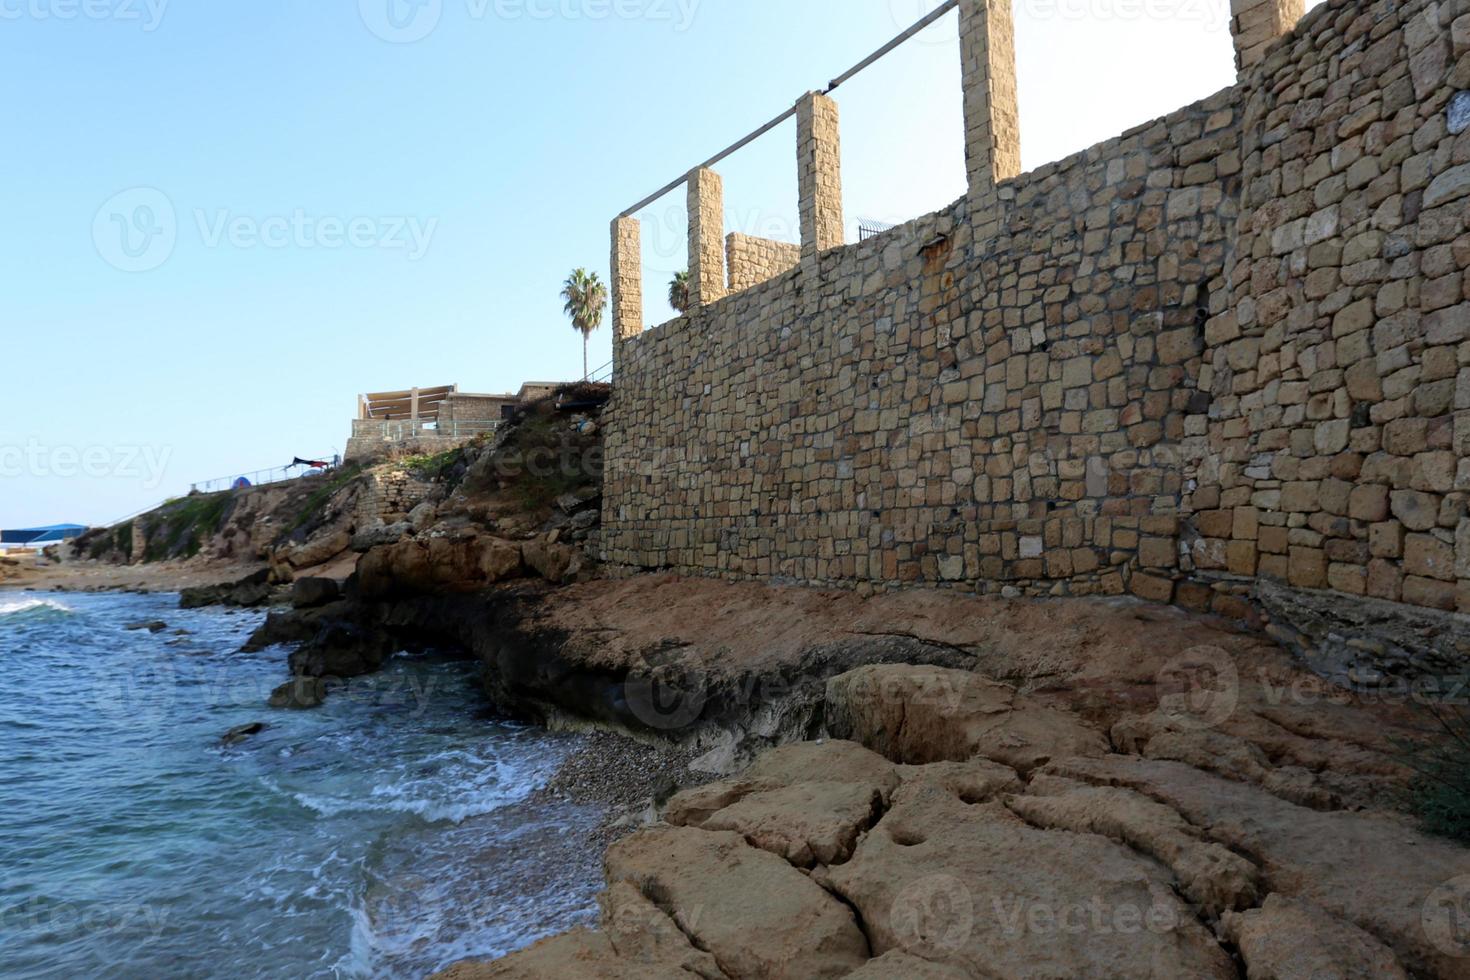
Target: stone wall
[1335,452]
[389,494]
[1233,340]
[461,407]
[750,261]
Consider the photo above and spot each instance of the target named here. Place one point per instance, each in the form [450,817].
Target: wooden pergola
[413,404]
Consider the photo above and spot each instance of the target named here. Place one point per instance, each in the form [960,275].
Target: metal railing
[867,62]
[260,478]
[868,228]
[601,374]
[407,430]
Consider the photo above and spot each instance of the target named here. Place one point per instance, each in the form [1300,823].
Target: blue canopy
[41,535]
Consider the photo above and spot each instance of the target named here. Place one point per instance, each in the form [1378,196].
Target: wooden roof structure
[422,404]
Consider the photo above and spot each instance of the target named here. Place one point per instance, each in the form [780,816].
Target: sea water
[386,834]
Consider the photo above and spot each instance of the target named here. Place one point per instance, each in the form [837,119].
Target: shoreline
[824,723]
[170,576]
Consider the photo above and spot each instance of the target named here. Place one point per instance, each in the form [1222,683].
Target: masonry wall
[751,261]
[475,408]
[1148,363]
[1336,449]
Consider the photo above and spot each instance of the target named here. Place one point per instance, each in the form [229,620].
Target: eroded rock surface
[921,714]
[1291,940]
[754,913]
[970,844]
[1372,870]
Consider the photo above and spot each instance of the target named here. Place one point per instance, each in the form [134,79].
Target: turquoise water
[386,834]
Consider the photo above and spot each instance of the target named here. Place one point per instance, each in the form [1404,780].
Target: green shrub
[314,506]
[179,528]
[1440,794]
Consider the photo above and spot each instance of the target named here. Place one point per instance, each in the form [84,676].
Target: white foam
[25,605]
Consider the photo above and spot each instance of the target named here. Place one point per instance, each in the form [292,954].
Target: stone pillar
[819,173]
[627,279]
[139,552]
[992,115]
[706,237]
[1254,24]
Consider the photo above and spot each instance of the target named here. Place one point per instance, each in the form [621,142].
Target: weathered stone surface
[722,892]
[579,953]
[1385,890]
[973,886]
[897,965]
[933,714]
[1291,940]
[379,533]
[807,824]
[806,802]
[1210,875]
[459,562]
[308,593]
[554,562]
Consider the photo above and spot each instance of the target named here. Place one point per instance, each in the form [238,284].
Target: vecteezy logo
[136,230]
[907,13]
[934,914]
[1199,689]
[669,698]
[401,21]
[1446,917]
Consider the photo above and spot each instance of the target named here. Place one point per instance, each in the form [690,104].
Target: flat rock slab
[807,824]
[894,965]
[579,953]
[1290,940]
[759,917]
[1377,872]
[972,886]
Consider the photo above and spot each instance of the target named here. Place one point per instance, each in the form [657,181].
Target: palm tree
[586,298]
[679,291]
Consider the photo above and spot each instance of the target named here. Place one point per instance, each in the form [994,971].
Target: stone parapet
[751,261]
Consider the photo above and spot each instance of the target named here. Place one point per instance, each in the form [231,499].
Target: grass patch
[179,528]
[313,506]
[431,469]
[541,462]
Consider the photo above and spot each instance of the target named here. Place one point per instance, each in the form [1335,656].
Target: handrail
[871,59]
[254,477]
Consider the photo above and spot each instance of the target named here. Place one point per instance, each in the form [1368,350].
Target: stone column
[1254,24]
[627,279]
[819,173]
[992,116]
[706,237]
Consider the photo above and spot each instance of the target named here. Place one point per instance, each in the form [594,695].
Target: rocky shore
[1101,790]
[810,783]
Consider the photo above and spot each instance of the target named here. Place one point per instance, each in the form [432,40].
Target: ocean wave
[16,607]
[457,806]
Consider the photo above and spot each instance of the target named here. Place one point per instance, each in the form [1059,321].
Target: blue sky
[352,203]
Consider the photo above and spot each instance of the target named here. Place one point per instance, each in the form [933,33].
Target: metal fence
[868,228]
[260,478]
[601,374]
[407,430]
